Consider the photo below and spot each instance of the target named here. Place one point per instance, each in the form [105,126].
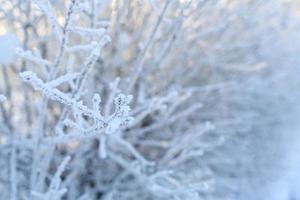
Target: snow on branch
[119,118]
[46,8]
[30,56]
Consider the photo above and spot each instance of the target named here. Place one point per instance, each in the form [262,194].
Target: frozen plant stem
[139,64]
[42,115]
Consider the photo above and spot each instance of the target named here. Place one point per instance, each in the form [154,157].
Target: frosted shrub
[113,99]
